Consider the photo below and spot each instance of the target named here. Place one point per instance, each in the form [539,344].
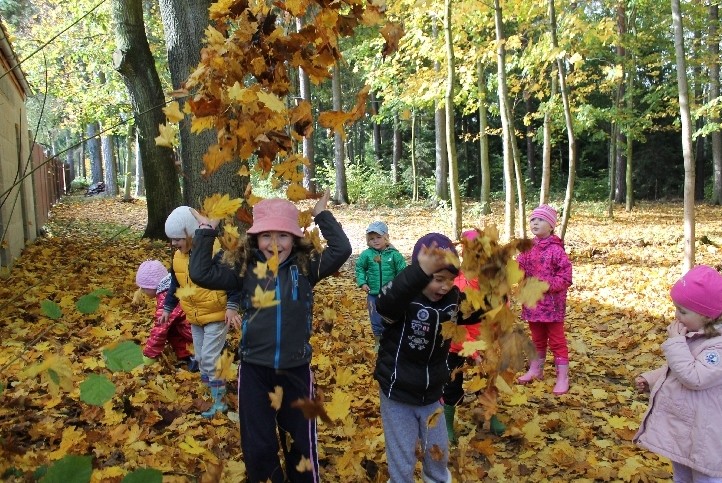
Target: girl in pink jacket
[547,261]
[682,422]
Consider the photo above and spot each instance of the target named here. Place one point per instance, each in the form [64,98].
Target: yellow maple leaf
[315,238]
[468,348]
[305,218]
[271,101]
[244,171]
[450,330]
[273,261]
[339,406]
[172,112]
[191,446]
[166,137]
[260,270]
[276,397]
[514,274]
[296,192]
[200,124]
[345,376]
[517,399]
[55,370]
[264,298]
[215,157]
[166,392]
[184,293]
[531,291]
[219,206]
[304,464]
[474,384]
[225,370]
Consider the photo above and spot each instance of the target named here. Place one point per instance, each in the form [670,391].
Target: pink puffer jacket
[548,261]
[684,418]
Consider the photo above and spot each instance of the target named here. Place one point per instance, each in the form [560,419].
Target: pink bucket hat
[275,214]
[699,290]
[546,213]
[150,273]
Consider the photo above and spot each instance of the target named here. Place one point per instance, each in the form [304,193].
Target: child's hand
[322,202]
[163,319]
[676,328]
[641,384]
[233,318]
[365,288]
[202,220]
[431,259]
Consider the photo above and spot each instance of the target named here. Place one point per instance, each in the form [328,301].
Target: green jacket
[377,268]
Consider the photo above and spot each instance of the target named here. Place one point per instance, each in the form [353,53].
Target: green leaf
[54,376]
[70,469]
[96,390]
[50,309]
[143,475]
[123,357]
[101,292]
[87,304]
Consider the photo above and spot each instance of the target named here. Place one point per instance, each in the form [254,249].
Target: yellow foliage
[264,298]
[276,397]
[220,206]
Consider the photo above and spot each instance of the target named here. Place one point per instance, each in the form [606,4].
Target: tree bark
[376,126]
[441,155]
[546,173]
[714,92]
[485,194]
[135,63]
[308,148]
[339,155]
[110,166]
[93,146]
[398,150]
[450,138]
[686,120]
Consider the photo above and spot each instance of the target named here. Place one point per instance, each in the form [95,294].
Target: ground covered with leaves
[618,309]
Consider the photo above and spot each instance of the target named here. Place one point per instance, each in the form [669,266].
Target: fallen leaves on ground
[618,310]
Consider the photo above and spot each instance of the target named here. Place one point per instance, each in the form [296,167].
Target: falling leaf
[219,206]
[304,464]
[225,369]
[172,112]
[451,330]
[167,137]
[531,291]
[312,408]
[276,397]
[264,298]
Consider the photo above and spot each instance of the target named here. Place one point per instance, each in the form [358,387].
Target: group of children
[406,305]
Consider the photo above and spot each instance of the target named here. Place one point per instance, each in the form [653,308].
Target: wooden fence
[49,182]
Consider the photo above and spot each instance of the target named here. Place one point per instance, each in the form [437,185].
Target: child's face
[182,244]
[540,228]
[280,240]
[149,292]
[440,284]
[377,241]
[692,320]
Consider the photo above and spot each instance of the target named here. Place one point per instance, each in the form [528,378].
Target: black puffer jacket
[411,364]
[277,336]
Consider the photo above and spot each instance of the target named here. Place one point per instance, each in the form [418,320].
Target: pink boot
[562,385]
[536,371]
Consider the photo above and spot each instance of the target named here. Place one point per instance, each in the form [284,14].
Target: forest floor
[618,308]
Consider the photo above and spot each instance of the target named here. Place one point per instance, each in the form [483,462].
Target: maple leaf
[56,371]
[276,397]
[260,270]
[296,192]
[451,330]
[469,348]
[305,218]
[392,32]
[273,261]
[264,298]
[271,101]
[516,349]
[215,157]
[225,369]
[219,206]
[191,446]
[167,137]
[315,238]
[312,408]
[339,406]
[531,291]
[304,464]
[172,112]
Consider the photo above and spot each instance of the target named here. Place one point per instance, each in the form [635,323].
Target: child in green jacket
[375,267]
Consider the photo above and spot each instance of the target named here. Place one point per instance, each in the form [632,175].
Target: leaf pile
[56,341]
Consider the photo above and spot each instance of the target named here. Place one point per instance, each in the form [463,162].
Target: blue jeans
[377,326]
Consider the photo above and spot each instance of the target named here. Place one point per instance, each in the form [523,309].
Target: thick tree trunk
[714,92]
[485,194]
[456,220]
[308,149]
[93,147]
[184,22]
[135,63]
[110,167]
[339,156]
[686,120]
[546,174]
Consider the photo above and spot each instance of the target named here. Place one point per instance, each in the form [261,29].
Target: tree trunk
[184,23]
[96,159]
[620,193]
[450,138]
[629,179]
[485,195]
[546,174]
[441,155]
[505,122]
[135,63]
[530,155]
[398,150]
[714,92]
[686,120]
[339,156]
[569,125]
[612,166]
[415,179]
[308,149]
[377,127]
[110,167]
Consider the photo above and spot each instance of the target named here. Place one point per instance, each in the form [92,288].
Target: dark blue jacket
[278,336]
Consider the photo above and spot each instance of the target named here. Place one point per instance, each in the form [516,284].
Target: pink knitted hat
[275,214]
[150,273]
[699,290]
[546,213]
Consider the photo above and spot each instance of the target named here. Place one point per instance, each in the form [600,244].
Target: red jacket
[472,331]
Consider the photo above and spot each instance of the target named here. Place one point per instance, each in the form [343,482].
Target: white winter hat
[181,223]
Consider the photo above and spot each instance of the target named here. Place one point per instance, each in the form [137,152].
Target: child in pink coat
[684,418]
[153,280]
[547,261]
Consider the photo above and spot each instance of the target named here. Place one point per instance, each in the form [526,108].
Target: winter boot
[449,413]
[217,393]
[536,370]
[562,385]
[496,427]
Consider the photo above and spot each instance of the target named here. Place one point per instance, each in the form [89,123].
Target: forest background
[388,104]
